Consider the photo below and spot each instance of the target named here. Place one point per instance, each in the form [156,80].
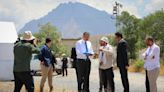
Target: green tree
[153,25]
[112,40]
[129,26]
[48,30]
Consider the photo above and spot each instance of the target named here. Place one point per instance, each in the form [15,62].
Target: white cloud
[132,10]
[154,5]
[140,1]
[22,11]
[105,5]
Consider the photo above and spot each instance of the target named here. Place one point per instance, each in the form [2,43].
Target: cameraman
[23,51]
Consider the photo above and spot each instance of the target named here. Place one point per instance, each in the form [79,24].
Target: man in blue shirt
[46,58]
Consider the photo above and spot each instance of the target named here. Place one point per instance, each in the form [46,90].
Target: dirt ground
[69,83]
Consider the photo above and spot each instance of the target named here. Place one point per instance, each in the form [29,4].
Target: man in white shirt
[83,65]
[152,64]
[106,65]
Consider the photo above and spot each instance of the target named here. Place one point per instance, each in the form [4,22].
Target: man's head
[86,36]
[104,41]
[118,36]
[28,37]
[48,42]
[149,41]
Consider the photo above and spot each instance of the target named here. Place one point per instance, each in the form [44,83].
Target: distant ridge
[72,19]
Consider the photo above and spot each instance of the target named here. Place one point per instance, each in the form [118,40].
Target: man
[73,57]
[106,65]
[100,72]
[152,64]
[64,66]
[47,64]
[23,51]
[122,60]
[84,51]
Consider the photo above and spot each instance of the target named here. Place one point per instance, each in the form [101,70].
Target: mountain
[72,19]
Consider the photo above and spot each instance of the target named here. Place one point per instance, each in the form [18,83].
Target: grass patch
[136,66]
[162,62]
[162,70]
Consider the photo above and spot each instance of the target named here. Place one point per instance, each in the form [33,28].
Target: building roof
[70,38]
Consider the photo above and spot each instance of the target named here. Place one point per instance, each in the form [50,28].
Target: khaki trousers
[152,76]
[46,73]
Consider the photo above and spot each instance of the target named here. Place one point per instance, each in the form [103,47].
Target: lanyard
[149,51]
[102,54]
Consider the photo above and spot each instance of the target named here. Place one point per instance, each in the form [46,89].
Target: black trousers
[23,78]
[147,83]
[100,79]
[108,80]
[64,71]
[83,72]
[124,78]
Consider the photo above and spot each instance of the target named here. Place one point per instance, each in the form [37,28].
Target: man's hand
[127,67]
[145,58]
[53,69]
[35,42]
[101,63]
[88,54]
[100,49]
[42,62]
[153,57]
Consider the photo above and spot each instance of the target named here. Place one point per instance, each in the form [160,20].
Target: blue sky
[22,11]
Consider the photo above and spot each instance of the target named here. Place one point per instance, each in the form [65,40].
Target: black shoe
[100,90]
[80,91]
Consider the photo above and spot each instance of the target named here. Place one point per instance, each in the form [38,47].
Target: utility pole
[116,11]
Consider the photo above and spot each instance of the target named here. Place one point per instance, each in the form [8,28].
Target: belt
[83,59]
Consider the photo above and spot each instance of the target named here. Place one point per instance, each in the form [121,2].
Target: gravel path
[69,84]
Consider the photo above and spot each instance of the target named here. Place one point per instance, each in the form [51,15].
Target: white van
[8,36]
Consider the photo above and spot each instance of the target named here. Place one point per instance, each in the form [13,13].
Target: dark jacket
[73,56]
[22,56]
[65,61]
[122,54]
[46,56]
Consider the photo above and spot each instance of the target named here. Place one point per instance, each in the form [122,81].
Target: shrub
[162,62]
[139,64]
[136,66]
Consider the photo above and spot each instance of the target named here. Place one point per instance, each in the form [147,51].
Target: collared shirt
[152,57]
[81,49]
[106,56]
[121,40]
